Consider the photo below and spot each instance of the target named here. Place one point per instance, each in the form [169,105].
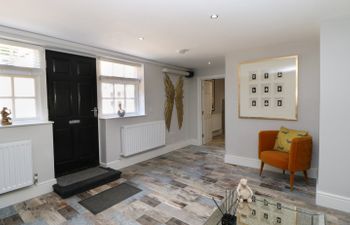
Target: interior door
[207,89]
[72,101]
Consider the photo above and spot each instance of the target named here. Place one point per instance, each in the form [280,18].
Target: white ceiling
[170,25]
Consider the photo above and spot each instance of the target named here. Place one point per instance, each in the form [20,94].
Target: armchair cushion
[285,137]
[275,158]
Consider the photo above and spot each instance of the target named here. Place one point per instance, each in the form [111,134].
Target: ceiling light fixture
[209,63]
[141,38]
[183,51]
[214,16]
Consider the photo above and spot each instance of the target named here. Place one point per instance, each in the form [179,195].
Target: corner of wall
[332,201]
[24,194]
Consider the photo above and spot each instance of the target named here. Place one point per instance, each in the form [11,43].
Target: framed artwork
[268,88]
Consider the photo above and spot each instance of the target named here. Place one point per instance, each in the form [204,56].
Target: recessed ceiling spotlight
[183,51]
[209,63]
[141,38]
[214,16]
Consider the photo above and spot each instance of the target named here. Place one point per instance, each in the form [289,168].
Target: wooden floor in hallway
[177,189]
[217,141]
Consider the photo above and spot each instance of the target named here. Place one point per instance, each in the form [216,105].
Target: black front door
[72,98]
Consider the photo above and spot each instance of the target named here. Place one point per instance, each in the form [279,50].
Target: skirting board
[125,162]
[333,201]
[24,194]
[255,163]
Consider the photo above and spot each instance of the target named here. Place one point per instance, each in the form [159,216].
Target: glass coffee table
[264,211]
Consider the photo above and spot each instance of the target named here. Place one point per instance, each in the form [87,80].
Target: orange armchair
[297,159]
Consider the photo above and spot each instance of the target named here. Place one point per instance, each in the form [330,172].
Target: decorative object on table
[5,116]
[121,112]
[268,211]
[230,205]
[262,210]
[268,88]
[244,196]
[244,192]
[179,95]
[295,156]
[169,101]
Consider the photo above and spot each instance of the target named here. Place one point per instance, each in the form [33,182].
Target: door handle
[95,110]
[74,121]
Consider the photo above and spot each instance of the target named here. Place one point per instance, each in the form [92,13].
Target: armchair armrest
[300,154]
[267,140]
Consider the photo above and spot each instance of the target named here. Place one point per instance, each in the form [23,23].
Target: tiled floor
[218,141]
[177,189]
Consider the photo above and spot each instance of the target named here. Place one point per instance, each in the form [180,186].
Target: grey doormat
[109,198]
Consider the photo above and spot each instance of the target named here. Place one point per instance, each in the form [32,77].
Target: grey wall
[333,188]
[242,134]
[43,162]
[154,97]
[210,70]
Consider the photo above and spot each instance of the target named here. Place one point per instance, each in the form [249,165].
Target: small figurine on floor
[244,193]
[6,120]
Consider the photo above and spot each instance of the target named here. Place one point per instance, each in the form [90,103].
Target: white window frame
[38,74]
[138,82]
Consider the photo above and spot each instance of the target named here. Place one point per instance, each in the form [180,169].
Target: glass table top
[264,210]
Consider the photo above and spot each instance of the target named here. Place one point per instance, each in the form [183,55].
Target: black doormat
[109,198]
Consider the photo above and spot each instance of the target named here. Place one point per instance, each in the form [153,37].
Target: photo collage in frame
[266,89]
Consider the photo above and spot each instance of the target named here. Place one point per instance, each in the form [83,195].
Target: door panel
[64,146]
[61,66]
[84,68]
[62,105]
[85,99]
[71,84]
[86,140]
[207,89]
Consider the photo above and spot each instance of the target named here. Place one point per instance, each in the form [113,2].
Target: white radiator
[142,137]
[16,165]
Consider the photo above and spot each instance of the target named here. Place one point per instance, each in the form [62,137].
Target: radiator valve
[36,178]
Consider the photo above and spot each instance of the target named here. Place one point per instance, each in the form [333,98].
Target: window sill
[26,124]
[118,117]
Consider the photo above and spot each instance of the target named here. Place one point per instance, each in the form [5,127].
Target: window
[20,69]
[121,87]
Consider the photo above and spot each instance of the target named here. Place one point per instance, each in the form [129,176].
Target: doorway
[72,101]
[213,112]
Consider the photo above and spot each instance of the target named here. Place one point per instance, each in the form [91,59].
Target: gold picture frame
[268,88]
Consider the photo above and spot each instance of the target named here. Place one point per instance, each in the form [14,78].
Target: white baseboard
[27,193]
[125,162]
[333,201]
[255,163]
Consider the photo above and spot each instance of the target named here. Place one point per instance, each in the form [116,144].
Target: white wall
[242,134]
[333,188]
[155,97]
[43,161]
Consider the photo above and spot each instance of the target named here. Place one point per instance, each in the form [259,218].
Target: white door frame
[199,102]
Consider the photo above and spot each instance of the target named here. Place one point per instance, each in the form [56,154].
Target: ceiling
[170,25]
